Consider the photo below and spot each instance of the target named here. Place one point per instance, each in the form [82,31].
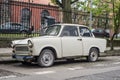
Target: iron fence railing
[25,19]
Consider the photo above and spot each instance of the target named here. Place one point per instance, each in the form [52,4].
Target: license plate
[20,58]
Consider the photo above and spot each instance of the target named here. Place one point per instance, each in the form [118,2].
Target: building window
[25,16]
[44,13]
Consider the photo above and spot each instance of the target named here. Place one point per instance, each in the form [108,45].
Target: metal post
[90,20]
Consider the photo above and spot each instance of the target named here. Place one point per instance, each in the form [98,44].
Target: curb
[113,53]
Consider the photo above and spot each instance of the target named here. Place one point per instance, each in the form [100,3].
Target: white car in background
[68,41]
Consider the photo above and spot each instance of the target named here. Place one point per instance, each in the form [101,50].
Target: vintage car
[60,41]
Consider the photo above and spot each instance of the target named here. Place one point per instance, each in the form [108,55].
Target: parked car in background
[101,33]
[67,41]
[11,27]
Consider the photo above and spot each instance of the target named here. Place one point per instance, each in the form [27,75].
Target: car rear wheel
[46,58]
[93,55]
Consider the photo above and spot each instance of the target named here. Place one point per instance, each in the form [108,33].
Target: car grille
[21,48]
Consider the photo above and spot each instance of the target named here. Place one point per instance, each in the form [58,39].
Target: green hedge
[6,43]
[116,43]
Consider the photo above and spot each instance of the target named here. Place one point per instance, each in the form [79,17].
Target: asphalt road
[107,68]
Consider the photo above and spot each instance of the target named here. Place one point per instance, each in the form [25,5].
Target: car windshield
[53,30]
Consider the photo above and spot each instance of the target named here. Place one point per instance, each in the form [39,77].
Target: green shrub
[116,43]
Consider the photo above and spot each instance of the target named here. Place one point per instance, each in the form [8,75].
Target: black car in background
[101,33]
[11,27]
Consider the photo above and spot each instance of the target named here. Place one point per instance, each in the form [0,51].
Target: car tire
[93,55]
[46,58]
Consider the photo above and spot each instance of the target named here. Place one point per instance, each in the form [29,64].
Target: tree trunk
[67,12]
[112,42]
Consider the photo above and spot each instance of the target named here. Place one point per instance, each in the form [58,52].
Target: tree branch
[59,3]
[73,1]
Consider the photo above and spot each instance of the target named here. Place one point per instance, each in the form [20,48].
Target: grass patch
[15,36]
[5,39]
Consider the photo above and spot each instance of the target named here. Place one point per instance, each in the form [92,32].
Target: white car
[68,41]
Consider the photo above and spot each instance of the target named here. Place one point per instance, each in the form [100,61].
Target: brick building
[31,12]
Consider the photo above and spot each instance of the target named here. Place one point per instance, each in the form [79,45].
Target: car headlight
[30,44]
[12,44]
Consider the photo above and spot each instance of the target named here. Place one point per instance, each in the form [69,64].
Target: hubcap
[47,58]
[93,56]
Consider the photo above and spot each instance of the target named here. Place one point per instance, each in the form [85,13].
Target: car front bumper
[26,58]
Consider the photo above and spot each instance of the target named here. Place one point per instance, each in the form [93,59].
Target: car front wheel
[93,55]
[46,58]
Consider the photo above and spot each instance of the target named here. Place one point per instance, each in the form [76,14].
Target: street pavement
[105,69]
[112,75]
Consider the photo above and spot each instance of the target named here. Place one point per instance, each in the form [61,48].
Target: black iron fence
[24,19]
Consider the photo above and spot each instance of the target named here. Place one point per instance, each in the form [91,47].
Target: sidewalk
[5,51]
[6,54]
[116,48]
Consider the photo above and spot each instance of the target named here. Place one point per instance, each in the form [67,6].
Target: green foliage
[98,7]
[53,1]
[116,15]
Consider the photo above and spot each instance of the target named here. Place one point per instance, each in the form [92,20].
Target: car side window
[85,32]
[70,31]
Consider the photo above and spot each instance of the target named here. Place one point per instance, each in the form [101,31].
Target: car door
[87,39]
[71,42]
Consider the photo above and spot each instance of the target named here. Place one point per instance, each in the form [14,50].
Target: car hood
[25,41]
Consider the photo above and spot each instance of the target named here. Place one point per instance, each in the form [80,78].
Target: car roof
[71,24]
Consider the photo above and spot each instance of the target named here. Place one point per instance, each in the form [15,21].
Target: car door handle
[79,39]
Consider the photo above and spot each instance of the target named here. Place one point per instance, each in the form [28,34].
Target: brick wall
[36,9]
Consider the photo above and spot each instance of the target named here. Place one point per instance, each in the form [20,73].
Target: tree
[98,8]
[102,6]
[65,5]
[116,20]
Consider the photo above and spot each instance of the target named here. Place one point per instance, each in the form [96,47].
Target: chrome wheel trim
[46,58]
[94,56]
